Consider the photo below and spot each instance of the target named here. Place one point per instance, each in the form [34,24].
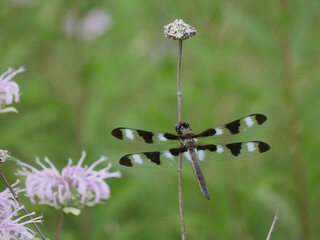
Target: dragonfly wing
[163,158]
[233,128]
[231,151]
[141,136]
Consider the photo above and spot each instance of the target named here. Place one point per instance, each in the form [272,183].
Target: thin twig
[19,202]
[183,231]
[178,81]
[273,224]
[60,225]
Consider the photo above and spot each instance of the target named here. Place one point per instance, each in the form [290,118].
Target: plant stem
[298,161]
[273,224]
[19,202]
[183,232]
[60,225]
[178,81]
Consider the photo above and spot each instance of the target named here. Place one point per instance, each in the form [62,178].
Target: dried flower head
[179,30]
[72,189]
[4,155]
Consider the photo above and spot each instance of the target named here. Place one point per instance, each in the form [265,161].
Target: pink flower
[72,189]
[11,227]
[15,229]
[9,90]
[7,203]
[91,26]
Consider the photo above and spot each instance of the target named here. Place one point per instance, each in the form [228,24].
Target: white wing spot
[251,147]
[201,155]
[168,155]
[137,158]
[220,149]
[219,131]
[249,121]
[162,138]
[129,134]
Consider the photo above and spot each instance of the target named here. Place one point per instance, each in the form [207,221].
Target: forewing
[141,136]
[236,127]
[231,151]
[163,158]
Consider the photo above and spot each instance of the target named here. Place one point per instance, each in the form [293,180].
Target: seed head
[179,30]
[4,154]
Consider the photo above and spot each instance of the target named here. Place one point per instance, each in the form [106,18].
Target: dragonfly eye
[180,125]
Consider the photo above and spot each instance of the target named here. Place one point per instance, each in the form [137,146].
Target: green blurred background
[249,57]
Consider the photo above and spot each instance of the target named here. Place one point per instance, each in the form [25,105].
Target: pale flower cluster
[71,189]
[9,90]
[89,27]
[11,226]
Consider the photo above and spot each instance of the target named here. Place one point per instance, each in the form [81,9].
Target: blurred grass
[75,92]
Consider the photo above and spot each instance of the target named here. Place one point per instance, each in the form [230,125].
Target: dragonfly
[190,147]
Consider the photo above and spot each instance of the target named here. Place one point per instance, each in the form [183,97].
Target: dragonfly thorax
[186,135]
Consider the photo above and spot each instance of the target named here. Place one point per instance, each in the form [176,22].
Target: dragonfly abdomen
[198,172]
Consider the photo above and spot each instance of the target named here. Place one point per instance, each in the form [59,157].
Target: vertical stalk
[19,202]
[183,232]
[178,81]
[60,225]
[298,161]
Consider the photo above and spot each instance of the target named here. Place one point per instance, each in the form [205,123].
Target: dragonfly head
[181,126]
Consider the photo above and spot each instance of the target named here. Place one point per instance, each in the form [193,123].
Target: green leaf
[9,109]
[74,211]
